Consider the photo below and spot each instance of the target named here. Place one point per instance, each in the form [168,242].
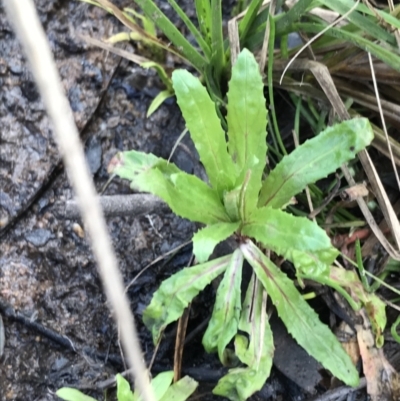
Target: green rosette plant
[238,201]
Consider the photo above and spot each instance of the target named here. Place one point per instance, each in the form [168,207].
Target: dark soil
[58,329]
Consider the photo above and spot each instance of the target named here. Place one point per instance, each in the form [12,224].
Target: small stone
[113,121]
[38,237]
[15,66]
[78,230]
[94,153]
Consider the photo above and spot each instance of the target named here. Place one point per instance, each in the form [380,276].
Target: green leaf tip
[314,160]
[247,124]
[206,239]
[72,394]
[124,392]
[205,129]
[175,294]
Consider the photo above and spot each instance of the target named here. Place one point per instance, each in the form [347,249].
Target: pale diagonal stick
[27,25]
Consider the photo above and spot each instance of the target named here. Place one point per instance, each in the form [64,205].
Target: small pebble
[38,237]
[94,153]
[78,230]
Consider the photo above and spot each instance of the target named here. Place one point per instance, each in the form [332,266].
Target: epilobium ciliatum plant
[237,201]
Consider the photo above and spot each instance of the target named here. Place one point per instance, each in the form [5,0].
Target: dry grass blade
[322,75]
[342,18]
[234,41]
[361,96]
[180,343]
[120,52]
[369,244]
[128,23]
[383,119]
[264,49]
[136,28]
[27,25]
[380,193]
[233,32]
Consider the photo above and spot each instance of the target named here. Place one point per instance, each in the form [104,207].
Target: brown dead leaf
[383,382]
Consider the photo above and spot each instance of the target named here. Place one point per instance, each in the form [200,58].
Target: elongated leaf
[203,11]
[181,390]
[193,30]
[387,54]
[206,239]
[315,159]
[300,319]
[298,239]
[71,394]
[248,19]
[238,203]
[151,10]
[161,384]
[217,38]
[185,194]
[294,14]
[247,124]
[158,101]
[205,129]
[162,74]
[365,24]
[196,200]
[175,293]
[225,317]
[240,383]
[124,392]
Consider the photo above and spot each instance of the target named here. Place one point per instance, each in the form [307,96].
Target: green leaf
[195,200]
[300,319]
[298,239]
[205,129]
[186,195]
[372,27]
[294,14]
[158,101]
[240,383]
[249,17]
[247,124]
[162,74]
[175,294]
[225,317]
[151,10]
[203,11]
[315,159]
[71,394]
[388,54]
[161,383]
[181,390]
[124,392]
[217,38]
[193,30]
[206,239]
[238,204]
